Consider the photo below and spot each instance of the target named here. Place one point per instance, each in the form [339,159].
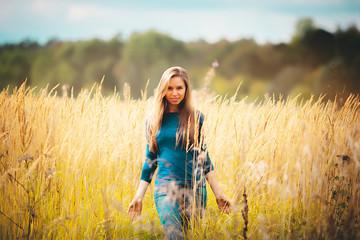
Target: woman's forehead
[176,80]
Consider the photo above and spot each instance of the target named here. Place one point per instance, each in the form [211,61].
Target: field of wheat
[69,167]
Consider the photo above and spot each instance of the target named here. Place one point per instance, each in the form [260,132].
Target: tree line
[315,61]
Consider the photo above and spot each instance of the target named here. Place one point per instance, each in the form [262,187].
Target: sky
[187,20]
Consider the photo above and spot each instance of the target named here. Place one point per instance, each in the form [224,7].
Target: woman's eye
[179,88]
[169,88]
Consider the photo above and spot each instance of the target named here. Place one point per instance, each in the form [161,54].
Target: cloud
[81,13]
[20,9]
[43,6]
[5,11]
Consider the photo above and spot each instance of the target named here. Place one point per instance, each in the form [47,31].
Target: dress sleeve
[150,166]
[207,164]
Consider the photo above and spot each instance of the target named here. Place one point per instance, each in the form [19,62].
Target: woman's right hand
[135,208]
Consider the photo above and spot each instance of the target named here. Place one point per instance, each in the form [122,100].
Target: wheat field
[69,167]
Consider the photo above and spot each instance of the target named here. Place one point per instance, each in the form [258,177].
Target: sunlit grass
[70,167]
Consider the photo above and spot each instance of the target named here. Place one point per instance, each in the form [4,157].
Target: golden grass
[70,167]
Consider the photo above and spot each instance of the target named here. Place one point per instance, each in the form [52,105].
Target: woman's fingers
[133,213]
[224,204]
[131,207]
[227,209]
[134,210]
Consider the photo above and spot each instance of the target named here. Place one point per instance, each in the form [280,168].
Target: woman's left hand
[223,203]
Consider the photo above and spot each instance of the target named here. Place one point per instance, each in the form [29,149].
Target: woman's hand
[223,203]
[135,208]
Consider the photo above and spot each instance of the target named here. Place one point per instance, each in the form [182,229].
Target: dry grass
[70,166]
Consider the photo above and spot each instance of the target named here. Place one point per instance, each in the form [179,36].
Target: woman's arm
[135,206]
[222,201]
[147,173]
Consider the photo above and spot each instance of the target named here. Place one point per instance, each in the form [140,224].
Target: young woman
[175,146]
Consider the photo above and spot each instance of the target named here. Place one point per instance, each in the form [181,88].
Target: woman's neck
[172,108]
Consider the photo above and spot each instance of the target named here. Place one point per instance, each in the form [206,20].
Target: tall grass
[69,167]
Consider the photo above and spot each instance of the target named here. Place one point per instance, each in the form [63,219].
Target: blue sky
[264,20]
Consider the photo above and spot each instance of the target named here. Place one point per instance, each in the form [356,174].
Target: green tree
[348,44]
[303,26]
[78,64]
[15,67]
[146,56]
[16,62]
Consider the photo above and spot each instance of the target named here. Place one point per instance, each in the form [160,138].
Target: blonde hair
[186,111]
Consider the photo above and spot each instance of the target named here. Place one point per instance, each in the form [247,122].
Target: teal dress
[180,185]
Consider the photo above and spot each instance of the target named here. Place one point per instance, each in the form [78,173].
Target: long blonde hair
[187,118]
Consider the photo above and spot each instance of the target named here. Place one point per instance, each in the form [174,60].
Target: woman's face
[175,92]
